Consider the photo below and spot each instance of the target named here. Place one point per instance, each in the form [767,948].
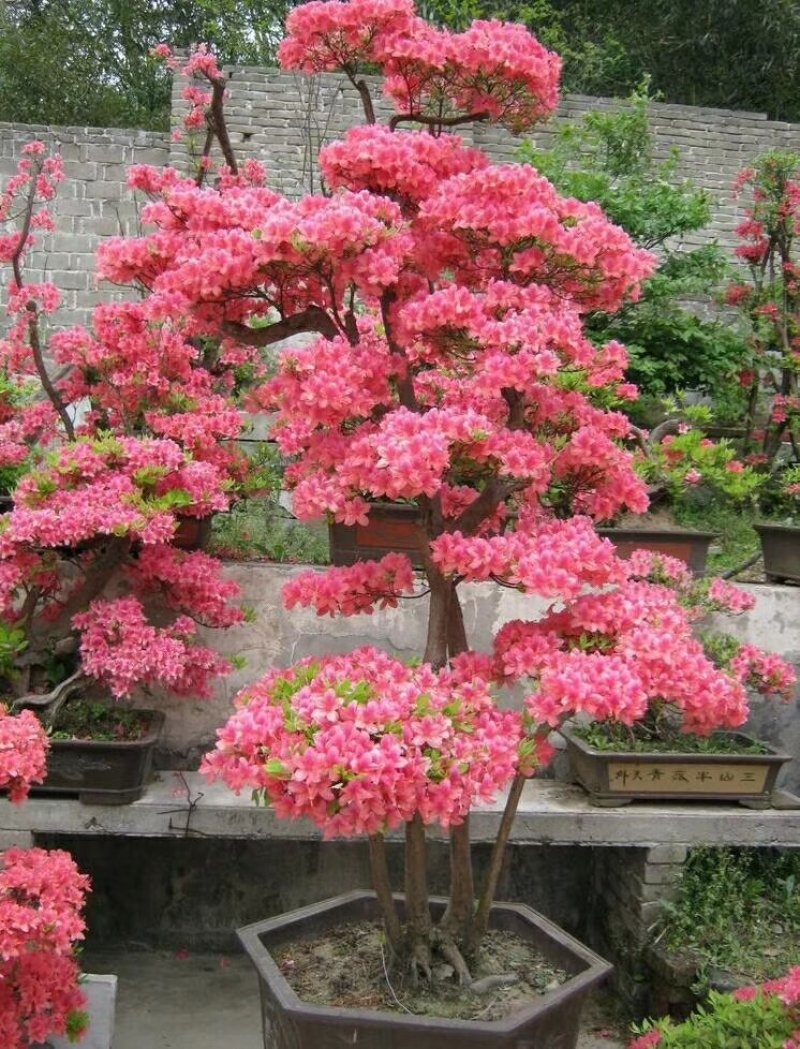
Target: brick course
[282,119]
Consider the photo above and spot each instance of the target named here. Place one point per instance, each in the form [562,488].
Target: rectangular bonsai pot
[688,546]
[551,1021]
[780,548]
[617,777]
[392,528]
[102,772]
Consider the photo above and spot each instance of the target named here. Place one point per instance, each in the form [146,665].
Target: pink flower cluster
[613,655]
[492,69]
[351,589]
[23,753]
[122,649]
[41,898]
[361,744]
[561,558]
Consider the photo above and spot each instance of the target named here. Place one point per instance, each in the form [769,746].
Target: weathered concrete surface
[206,1001]
[181,805]
[278,638]
[773,625]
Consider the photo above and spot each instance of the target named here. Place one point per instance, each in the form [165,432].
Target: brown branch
[366,100]
[383,890]
[481,921]
[314,319]
[100,575]
[484,506]
[416,880]
[435,122]
[216,117]
[33,311]
[458,916]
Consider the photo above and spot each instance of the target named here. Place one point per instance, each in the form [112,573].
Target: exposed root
[450,951]
[421,963]
[489,983]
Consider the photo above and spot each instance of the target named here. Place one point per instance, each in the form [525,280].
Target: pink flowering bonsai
[448,369]
[41,900]
[109,439]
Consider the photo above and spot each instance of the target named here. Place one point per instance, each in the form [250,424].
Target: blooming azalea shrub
[41,899]
[767,1017]
[109,439]
[448,368]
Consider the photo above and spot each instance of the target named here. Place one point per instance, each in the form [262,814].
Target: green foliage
[726,1023]
[12,643]
[87,62]
[641,738]
[739,909]
[260,529]
[609,157]
[736,540]
[731,53]
[84,719]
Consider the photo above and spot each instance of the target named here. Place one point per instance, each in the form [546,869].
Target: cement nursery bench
[183,804]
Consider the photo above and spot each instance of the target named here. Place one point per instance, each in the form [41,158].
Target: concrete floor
[188,1000]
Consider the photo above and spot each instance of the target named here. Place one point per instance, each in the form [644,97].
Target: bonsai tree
[447,368]
[769,301]
[109,441]
[41,900]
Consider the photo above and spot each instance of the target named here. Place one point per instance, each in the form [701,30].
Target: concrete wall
[279,638]
[283,119]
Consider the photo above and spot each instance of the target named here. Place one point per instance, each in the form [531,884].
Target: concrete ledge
[183,804]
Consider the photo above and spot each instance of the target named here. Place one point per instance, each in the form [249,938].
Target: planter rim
[775,526]
[250,938]
[687,533]
[157,718]
[771,756]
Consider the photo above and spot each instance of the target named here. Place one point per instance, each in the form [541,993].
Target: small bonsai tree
[41,900]
[104,458]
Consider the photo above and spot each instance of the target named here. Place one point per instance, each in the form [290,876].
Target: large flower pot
[102,772]
[688,546]
[549,1022]
[617,777]
[392,527]
[780,547]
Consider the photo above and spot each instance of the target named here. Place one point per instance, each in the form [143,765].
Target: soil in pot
[101,753]
[346,967]
[85,720]
[617,765]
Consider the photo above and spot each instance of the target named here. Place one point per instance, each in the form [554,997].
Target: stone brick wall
[93,202]
[282,119]
[630,886]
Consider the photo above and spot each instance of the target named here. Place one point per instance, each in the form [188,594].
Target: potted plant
[766,1016]
[109,456]
[683,743]
[684,470]
[448,369]
[778,528]
[41,900]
